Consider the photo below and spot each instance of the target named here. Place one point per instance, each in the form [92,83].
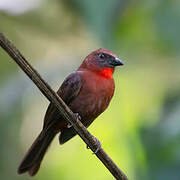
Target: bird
[87,92]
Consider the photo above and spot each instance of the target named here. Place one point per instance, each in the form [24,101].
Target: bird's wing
[71,86]
[69,89]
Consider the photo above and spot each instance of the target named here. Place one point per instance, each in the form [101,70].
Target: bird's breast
[94,97]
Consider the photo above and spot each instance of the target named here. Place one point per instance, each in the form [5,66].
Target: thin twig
[61,106]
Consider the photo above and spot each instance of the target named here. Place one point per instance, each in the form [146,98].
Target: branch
[61,106]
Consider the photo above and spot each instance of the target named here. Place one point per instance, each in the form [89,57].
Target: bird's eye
[102,55]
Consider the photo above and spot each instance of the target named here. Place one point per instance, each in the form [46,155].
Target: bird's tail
[34,156]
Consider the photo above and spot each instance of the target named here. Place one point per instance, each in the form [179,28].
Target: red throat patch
[107,72]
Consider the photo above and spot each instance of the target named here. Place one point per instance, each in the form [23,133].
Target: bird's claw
[97,144]
[69,125]
[77,117]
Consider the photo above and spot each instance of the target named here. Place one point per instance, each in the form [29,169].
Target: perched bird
[88,92]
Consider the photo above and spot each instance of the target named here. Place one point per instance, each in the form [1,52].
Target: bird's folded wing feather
[69,89]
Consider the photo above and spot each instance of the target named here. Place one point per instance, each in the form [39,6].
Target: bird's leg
[77,117]
[97,144]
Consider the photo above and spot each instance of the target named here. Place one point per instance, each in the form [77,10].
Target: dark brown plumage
[88,92]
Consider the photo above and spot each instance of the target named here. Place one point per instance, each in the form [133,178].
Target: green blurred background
[141,128]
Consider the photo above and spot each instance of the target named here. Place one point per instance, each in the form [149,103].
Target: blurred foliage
[99,16]
[141,128]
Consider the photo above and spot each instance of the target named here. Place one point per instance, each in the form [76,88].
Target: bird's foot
[97,144]
[77,117]
[69,125]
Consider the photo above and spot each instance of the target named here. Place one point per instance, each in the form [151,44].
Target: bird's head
[101,61]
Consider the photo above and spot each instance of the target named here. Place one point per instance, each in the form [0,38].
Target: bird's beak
[117,62]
